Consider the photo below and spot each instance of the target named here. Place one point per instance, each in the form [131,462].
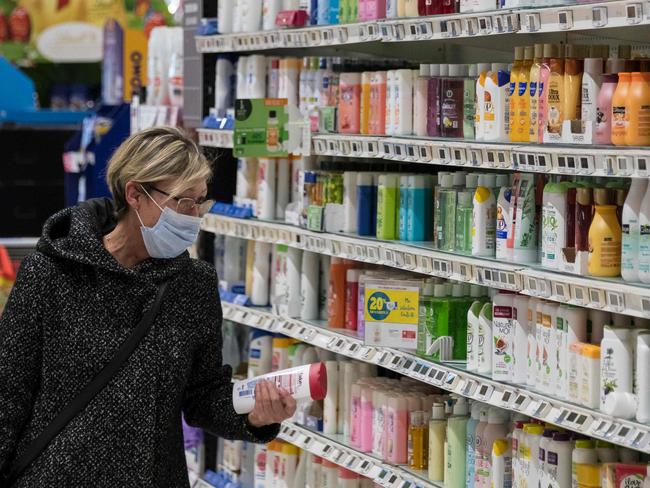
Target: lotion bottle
[631,229]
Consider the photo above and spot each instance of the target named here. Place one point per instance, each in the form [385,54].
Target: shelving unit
[601,294]
[451,377]
[334,449]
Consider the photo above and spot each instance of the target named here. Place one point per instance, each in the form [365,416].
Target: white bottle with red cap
[303,382]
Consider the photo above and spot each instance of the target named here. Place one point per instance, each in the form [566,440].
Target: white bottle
[501,464]
[282,186]
[553,224]
[549,347]
[643,377]
[260,274]
[592,79]
[350,201]
[631,229]
[294,278]
[391,97]
[520,315]
[234,266]
[420,101]
[403,95]
[644,239]
[503,337]
[531,365]
[472,335]
[479,128]
[324,285]
[309,286]
[266,188]
[260,353]
[615,363]
[484,217]
[558,459]
[225,16]
[485,340]
[504,224]
[496,111]
[330,404]
[270,10]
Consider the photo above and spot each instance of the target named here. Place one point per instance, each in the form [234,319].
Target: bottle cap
[585,444]
[500,447]
[529,53]
[456,70]
[584,196]
[447,180]
[461,407]
[459,178]
[438,411]
[519,53]
[444,69]
[434,69]
[290,449]
[499,67]
[539,51]
[548,433]
[519,425]
[424,70]
[601,196]
[317,381]
[275,63]
[329,464]
[471,180]
[495,416]
[561,436]
[622,405]
[428,289]
[483,414]
[550,51]
[476,291]
[457,291]
[352,275]
[490,180]
[484,67]
[593,66]
[439,291]
[590,351]
[502,180]
[615,65]
[571,51]
[476,410]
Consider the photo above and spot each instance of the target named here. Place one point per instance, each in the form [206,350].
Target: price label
[484,392]
[616,301]
[532,22]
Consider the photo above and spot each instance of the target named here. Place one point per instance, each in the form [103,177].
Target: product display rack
[606,15]
[451,377]
[334,449]
[612,295]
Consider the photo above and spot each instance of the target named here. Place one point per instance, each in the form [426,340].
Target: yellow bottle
[533,93]
[522,117]
[619,109]
[418,441]
[555,96]
[573,67]
[365,102]
[637,109]
[604,238]
[515,72]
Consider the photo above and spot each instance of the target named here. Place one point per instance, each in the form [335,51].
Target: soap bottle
[437,430]
[632,230]
[604,238]
[637,110]
[436,318]
[496,112]
[464,222]
[550,52]
[522,116]
[387,206]
[555,96]
[485,340]
[604,108]
[479,123]
[573,67]
[644,239]
[377,110]
[456,445]
[469,102]
[515,73]
[434,103]
[420,101]
[470,457]
[592,80]
[420,213]
[484,218]
[418,441]
[620,117]
[534,92]
[453,101]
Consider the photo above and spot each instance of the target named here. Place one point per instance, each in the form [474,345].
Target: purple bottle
[433,104]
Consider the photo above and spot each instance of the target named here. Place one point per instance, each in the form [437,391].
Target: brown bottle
[584,214]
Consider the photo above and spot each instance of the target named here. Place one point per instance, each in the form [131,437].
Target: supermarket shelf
[451,377]
[547,158]
[215,138]
[612,295]
[335,449]
[599,16]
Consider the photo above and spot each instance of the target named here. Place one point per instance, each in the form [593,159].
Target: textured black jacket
[71,308]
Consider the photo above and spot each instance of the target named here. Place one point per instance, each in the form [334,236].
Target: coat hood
[75,234]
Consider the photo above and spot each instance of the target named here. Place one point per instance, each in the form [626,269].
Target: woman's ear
[133,194]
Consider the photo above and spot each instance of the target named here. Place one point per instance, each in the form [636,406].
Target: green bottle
[387,206]
[464,223]
[433,321]
[460,305]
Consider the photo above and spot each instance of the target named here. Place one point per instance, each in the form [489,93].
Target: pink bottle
[366,418]
[375,9]
[355,415]
[351,297]
[397,430]
[350,103]
[362,10]
[377,113]
[604,109]
[542,112]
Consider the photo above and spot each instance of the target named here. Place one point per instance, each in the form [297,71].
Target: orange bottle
[336,296]
[619,109]
[638,111]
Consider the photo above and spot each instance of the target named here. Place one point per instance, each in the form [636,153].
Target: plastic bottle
[420,213]
[637,110]
[503,332]
[377,111]
[496,429]
[504,224]
[524,223]
[349,113]
[470,458]
[496,116]
[397,429]
[336,294]
[558,459]
[366,204]
[309,286]
[418,440]
[631,229]
[452,101]
[534,89]
[513,93]
[555,96]
[442,194]
[616,359]
[644,239]
[521,326]
[456,447]
[387,206]
[434,103]
[573,67]
[553,224]
[464,222]
[484,218]
[473,335]
[584,461]
[485,339]
[303,382]
[478,441]
[483,70]
[260,353]
[524,103]
[448,197]
[501,464]
[604,238]
[642,383]
[620,117]
[592,80]
[421,97]
[437,428]
[548,348]
[604,108]
[266,194]
[534,434]
[469,102]
[549,51]
[403,96]
[351,296]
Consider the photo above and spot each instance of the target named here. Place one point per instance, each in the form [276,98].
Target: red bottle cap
[317,381]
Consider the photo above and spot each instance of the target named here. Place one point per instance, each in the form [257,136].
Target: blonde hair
[152,156]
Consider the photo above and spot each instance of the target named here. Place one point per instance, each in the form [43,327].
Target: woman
[96,270]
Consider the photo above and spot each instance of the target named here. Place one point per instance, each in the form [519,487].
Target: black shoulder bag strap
[88,393]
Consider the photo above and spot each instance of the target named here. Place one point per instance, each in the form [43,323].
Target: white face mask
[172,234]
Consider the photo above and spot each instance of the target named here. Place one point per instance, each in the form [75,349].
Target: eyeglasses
[186,205]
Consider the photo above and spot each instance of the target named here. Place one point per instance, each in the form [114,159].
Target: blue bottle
[334,12]
[313,12]
[404,206]
[366,204]
[323,12]
[420,212]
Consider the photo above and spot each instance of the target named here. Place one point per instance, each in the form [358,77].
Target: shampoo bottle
[604,238]
[456,445]
[534,92]
[484,218]
[437,430]
[637,110]
[513,94]
[573,67]
[619,115]
[496,111]
[592,79]
[631,229]
[644,239]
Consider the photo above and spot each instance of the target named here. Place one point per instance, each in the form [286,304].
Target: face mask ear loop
[151,198]
[140,219]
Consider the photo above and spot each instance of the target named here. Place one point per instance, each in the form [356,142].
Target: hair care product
[584,463]
[366,204]
[420,100]
[644,238]
[377,113]
[513,92]
[437,428]
[604,108]
[534,434]
[558,459]
[418,440]
[260,353]
[573,67]
[350,201]
[397,429]
[434,101]
[473,335]
[336,293]
[351,296]
[555,96]
[266,194]
[504,224]
[470,457]
[642,383]
[349,103]
[604,238]
[496,108]
[590,370]
[501,464]
[260,257]
[592,80]
[387,206]
[469,102]
[525,243]
[309,286]
[631,229]
[420,211]
[503,333]
[637,111]
[484,218]
[485,340]
[615,363]
[620,117]
[456,447]
[550,51]
[452,101]
[534,93]
[303,382]
[483,70]
[553,224]
[403,96]
[496,429]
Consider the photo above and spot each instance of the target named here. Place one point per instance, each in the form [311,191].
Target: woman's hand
[272,405]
